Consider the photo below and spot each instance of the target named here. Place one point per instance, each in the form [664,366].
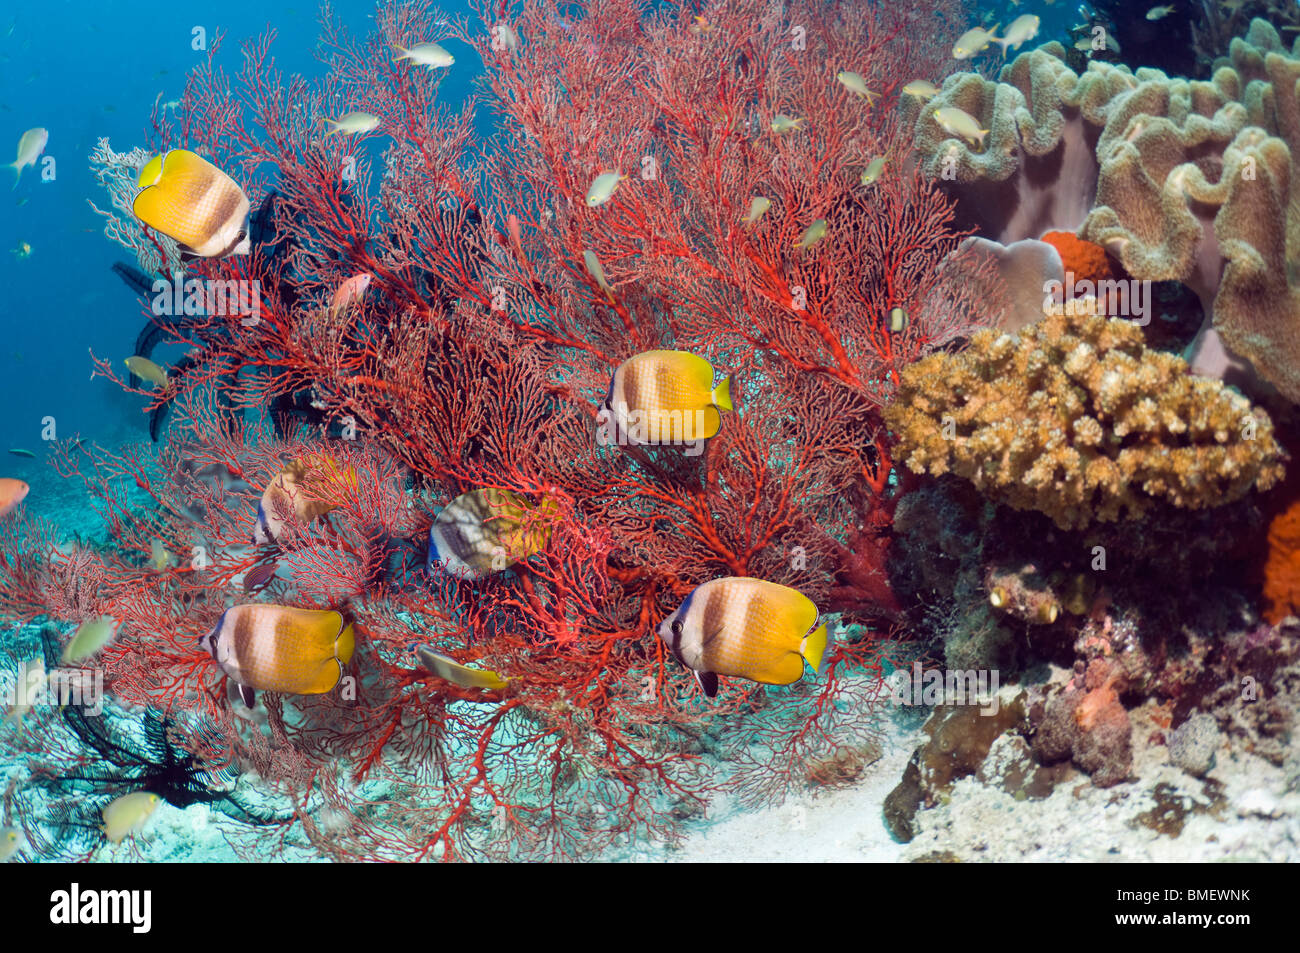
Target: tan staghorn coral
[1184,180]
[1077,419]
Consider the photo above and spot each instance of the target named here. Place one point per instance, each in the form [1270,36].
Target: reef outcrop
[1077,419]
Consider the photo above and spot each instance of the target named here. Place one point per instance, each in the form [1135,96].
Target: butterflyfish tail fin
[722,395]
[816,647]
[346,644]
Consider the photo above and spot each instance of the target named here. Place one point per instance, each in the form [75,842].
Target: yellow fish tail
[722,395]
[346,644]
[816,647]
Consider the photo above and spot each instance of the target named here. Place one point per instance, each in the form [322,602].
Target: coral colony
[518,498]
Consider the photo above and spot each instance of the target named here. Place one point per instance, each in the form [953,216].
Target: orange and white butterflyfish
[448,669]
[272,648]
[488,530]
[746,628]
[665,397]
[12,492]
[307,488]
[187,198]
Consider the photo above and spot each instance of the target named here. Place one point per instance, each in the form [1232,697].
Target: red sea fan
[477,357]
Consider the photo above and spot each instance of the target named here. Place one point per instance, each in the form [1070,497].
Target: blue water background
[85,70]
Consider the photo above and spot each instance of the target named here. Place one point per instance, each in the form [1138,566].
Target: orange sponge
[1084,259]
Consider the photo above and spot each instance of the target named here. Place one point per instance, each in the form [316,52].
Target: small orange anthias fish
[350,292]
[12,492]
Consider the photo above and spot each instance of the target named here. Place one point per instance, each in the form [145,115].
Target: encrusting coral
[1179,179]
[1076,418]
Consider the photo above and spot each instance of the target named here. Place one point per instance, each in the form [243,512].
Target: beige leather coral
[1189,180]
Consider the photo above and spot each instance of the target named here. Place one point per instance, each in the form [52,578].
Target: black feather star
[103,756]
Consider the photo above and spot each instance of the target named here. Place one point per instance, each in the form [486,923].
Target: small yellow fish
[352,123]
[1022,29]
[452,671]
[781,123]
[1159,13]
[488,530]
[922,89]
[430,55]
[958,122]
[27,690]
[597,271]
[30,147]
[973,41]
[812,235]
[146,369]
[699,26]
[746,628]
[270,648]
[127,815]
[872,171]
[159,558]
[90,637]
[603,187]
[1091,44]
[11,842]
[897,319]
[758,205]
[22,250]
[854,83]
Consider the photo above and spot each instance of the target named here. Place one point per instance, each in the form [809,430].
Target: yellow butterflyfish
[488,530]
[307,488]
[187,198]
[664,397]
[271,648]
[747,628]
